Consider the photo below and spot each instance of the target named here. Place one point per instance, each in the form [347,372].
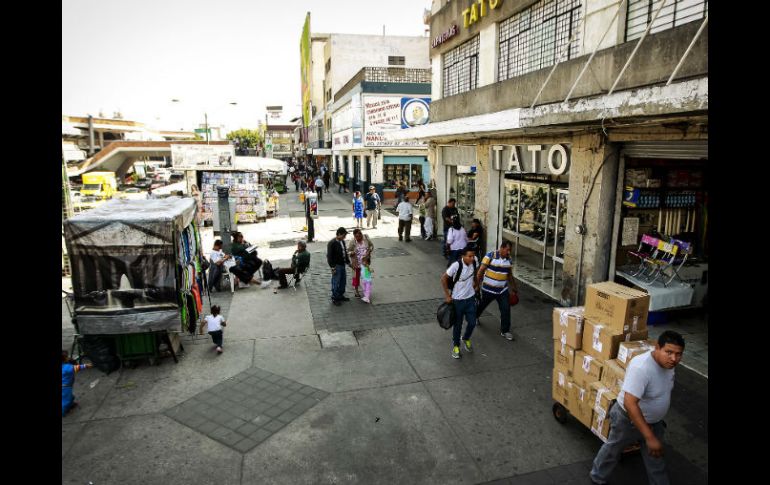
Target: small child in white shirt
[215,324]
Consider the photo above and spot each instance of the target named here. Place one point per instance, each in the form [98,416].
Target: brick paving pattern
[246,409]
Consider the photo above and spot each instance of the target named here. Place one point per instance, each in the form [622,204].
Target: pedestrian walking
[457,240]
[420,203]
[497,284]
[446,214]
[462,295]
[341,181]
[405,215]
[337,258]
[476,237]
[366,279]
[327,180]
[215,324]
[319,187]
[373,204]
[295,177]
[358,209]
[640,408]
[68,370]
[359,248]
[430,215]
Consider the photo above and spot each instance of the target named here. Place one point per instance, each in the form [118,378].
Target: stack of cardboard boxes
[592,348]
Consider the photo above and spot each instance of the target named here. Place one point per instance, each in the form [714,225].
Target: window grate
[396,60]
[674,14]
[461,68]
[534,38]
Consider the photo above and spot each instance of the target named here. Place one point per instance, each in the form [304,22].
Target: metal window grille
[461,68]
[396,60]
[674,14]
[534,38]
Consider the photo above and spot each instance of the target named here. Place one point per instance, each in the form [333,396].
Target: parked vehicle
[101,185]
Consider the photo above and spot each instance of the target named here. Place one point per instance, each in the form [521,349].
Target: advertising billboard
[385,115]
[196,157]
[305,70]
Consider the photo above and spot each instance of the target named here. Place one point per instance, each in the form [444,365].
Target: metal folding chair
[296,278]
[661,259]
[683,253]
[647,246]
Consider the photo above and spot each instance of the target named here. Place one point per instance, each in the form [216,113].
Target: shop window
[674,14]
[535,38]
[461,68]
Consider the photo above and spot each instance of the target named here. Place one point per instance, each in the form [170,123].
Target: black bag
[446,315]
[267,271]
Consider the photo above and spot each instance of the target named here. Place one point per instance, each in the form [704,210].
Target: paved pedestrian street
[307,392]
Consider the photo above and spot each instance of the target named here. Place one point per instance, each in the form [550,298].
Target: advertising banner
[195,157]
[385,115]
[305,70]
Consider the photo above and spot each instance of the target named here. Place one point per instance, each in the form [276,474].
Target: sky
[135,57]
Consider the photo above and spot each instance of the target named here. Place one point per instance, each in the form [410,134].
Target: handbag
[446,315]
[513,298]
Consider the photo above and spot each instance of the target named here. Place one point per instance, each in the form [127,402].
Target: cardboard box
[622,308]
[613,375]
[580,405]
[568,326]
[600,426]
[563,357]
[561,387]
[601,397]
[587,369]
[628,350]
[603,343]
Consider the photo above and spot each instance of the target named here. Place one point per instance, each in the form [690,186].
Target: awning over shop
[258,164]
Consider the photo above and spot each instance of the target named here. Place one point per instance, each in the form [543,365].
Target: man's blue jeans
[338,282]
[502,304]
[464,308]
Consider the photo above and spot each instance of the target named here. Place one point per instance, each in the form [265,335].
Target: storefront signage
[477,10]
[385,115]
[195,157]
[510,159]
[440,39]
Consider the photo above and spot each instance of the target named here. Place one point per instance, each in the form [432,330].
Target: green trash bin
[134,346]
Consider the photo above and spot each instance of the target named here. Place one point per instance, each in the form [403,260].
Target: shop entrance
[462,187]
[533,217]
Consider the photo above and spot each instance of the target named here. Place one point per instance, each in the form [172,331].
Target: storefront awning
[679,98]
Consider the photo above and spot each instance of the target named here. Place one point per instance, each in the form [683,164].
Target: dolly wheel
[560,413]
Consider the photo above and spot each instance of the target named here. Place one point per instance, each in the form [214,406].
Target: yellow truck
[101,185]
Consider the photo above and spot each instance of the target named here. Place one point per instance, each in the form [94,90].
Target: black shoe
[344,298]
[408,240]
[336,302]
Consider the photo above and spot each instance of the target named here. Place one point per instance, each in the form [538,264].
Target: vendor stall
[136,267]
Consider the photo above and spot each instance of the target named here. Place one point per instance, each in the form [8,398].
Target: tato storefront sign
[477,10]
[544,159]
[440,39]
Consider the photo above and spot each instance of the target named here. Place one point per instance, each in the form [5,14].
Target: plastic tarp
[123,257]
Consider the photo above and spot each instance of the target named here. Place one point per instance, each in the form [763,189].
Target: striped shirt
[496,275]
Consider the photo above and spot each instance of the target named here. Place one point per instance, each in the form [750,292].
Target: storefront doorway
[462,187]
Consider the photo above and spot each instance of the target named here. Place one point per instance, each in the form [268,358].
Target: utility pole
[206,117]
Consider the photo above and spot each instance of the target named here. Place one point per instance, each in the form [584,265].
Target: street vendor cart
[136,275]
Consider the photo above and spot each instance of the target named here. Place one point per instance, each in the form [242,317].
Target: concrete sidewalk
[306,392]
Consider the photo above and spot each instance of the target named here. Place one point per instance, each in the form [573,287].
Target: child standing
[366,279]
[215,323]
[68,370]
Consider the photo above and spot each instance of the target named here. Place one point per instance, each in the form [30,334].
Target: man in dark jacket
[337,257]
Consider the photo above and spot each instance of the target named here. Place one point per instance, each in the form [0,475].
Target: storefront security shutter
[688,150]
[458,155]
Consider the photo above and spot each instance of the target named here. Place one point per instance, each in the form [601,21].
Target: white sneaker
[365,300]
[243,285]
[507,335]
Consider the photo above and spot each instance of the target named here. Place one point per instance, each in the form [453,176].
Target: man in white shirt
[404,210]
[638,414]
[462,296]
[217,258]
[319,187]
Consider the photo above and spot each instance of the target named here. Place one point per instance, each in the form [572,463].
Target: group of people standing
[358,256]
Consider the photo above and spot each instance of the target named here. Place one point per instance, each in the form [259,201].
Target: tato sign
[509,158]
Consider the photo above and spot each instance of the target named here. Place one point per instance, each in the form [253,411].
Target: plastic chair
[647,246]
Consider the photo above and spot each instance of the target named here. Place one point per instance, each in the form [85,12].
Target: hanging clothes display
[191,276]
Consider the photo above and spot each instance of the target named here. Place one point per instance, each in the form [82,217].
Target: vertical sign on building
[305,70]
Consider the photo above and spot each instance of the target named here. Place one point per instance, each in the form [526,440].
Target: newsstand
[137,278]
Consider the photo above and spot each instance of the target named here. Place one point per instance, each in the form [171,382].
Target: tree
[245,137]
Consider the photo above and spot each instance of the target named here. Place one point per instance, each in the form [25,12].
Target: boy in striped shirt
[495,277]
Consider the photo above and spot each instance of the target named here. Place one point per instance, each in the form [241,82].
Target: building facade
[571,129]
[373,105]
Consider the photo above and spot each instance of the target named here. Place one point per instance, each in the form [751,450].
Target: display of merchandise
[687,198]
[250,196]
[189,277]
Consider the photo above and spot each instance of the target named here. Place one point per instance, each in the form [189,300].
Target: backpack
[451,283]
[267,271]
